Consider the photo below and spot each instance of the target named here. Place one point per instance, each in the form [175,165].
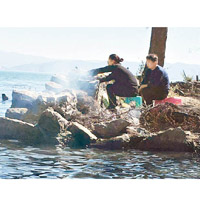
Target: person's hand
[142,86]
[97,78]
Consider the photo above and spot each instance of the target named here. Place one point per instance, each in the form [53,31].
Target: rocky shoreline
[77,118]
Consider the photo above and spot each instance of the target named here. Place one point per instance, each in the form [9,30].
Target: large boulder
[170,140]
[52,86]
[16,113]
[115,143]
[19,130]
[22,114]
[23,99]
[47,97]
[136,138]
[66,105]
[66,96]
[59,79]
[33,107]
[81,137]
[111,128]
[51,124]
[128,140]
[67,111]
[46,100]
[129,114]
[86,103]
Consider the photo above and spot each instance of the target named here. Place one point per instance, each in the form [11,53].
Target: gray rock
[16,113]
[51,124]
[128,140]
[116,143]
[111,128]
[60,79]
[37,103]
[47,98]
[67,97]
[67,111]
[81,136]
[170,140]
[19,130]
[86,103]
[22,114]
[23,99]
[52,86]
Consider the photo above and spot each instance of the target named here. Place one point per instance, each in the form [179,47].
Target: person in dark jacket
[155,85]
[125,83]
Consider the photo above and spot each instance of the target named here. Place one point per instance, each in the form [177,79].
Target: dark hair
[116,58]
[152,57]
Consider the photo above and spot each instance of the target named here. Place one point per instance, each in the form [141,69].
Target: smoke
[77,79]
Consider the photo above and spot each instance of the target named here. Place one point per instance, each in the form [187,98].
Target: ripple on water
[17,161]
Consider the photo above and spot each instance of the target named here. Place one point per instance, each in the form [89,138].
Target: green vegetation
[186,78]
[140,69]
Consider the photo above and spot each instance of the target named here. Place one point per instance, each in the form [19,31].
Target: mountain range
[28,63]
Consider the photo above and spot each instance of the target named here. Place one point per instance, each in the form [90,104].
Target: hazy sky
[183,44]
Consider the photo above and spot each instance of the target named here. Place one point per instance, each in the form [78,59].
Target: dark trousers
[149,94]
[114,90]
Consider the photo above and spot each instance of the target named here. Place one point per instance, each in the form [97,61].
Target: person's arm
[108,68]
[144,83]
[107,78]
[146,74]
[142,86]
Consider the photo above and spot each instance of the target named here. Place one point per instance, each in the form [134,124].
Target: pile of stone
[187,89]
[161,117]
[77,118]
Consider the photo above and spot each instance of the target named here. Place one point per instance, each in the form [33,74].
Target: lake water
[19,161]
[10,81]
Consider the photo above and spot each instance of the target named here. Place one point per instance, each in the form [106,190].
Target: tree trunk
[157,46]
[158,43]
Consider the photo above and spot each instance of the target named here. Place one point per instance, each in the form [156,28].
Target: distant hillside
[175,70]
[67,65]
[28,63]
[10,59]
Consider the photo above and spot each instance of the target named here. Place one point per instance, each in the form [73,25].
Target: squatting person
[125,83]
[155,85]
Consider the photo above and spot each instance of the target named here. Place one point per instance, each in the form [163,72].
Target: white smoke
[75,79]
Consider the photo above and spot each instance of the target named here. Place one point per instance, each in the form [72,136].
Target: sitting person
[125,84]
[155,85]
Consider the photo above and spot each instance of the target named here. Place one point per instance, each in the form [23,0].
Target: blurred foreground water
[17,161]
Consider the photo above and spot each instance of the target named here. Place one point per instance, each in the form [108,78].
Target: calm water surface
[10,81]
[17,161]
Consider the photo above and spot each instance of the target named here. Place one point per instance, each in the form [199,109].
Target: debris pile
[162,117]
[187,89]
[78,118]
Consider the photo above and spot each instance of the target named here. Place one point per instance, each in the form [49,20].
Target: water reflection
[18,161]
